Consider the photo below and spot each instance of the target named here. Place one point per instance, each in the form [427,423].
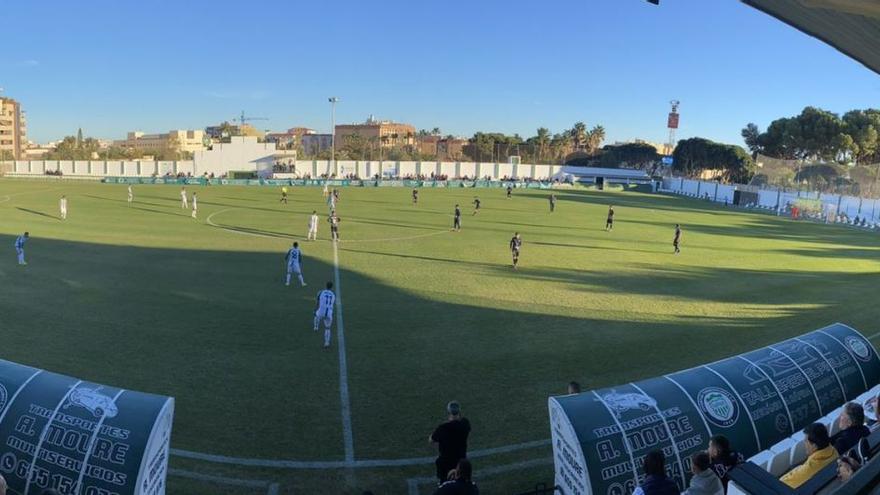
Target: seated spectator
[723,458]
[656,482]
[459,481]
[846,467]
[704,481]
[852,428]
[820,453]
[872,407]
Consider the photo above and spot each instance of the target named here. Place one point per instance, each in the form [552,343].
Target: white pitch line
[344,399]
[874,336]
[364,463]
[223,480]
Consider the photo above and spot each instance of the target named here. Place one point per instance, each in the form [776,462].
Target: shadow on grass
[35,212]
[239,342]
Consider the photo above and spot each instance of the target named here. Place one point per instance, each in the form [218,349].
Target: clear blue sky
[494,65]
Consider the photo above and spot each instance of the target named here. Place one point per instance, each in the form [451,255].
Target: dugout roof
[850,26]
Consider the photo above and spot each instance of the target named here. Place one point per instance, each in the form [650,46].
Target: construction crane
[242,119]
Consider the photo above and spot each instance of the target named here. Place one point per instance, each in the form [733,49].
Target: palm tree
[579,135]
[595,138]
[435,131]
[542,139]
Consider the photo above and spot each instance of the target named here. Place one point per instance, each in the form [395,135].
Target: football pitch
[143,296]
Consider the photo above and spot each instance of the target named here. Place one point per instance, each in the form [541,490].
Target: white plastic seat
[780,461]
[799,450]
[762,459]
[734,489]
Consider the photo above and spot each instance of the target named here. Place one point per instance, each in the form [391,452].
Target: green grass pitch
[144,297]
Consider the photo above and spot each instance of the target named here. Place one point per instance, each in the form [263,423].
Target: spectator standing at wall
[656,482]
[574,387]
[852,428]
[451,439]
[820,453]
[722,458]
[704,480]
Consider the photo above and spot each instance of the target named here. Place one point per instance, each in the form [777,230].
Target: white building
[242,153]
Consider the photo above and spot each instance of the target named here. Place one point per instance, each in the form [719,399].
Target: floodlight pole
[333,101]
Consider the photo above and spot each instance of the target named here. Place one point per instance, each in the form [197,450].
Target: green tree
[579,135]
[595,138]
[696,155]
[629,155]
[752,137]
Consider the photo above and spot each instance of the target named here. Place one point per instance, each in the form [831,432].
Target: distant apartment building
[313,144]
[290,138]
[386,133]
[181,140]
[443,148]
[13,130]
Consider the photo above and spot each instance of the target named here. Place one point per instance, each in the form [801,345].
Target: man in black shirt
[415,196]
[852,428]
[509,191]
[456,222]
[552,203]
[676,241]
[476,205]
[451,439]
[609,222]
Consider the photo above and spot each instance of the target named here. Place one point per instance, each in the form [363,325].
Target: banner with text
[81,437]
[756,399]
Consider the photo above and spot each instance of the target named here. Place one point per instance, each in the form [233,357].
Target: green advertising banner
[80,437]
[756,399]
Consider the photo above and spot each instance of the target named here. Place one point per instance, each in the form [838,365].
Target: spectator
[873,409]
[820,453]
[451,439]
[704,481]
[656,482]
[846,467]
[852,428]
[459,481]
[574,388]
[723,458]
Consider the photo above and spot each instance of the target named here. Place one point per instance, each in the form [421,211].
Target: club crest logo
[719,406]
[858,347]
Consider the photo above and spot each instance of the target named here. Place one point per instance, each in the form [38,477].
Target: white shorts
[293,269]
[323,315]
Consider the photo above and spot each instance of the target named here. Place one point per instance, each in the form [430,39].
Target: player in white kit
[19,250]
[313,227]
[195,206]
[324,311]
[183,204]
[130,195]
[62,205]
[294,264]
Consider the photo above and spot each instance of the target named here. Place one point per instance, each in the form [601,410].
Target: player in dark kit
[415,196]
[476,205]
[609,222]
[676,241]
[456,222]
[552,203]
[515,245]
[509,192]
[334,225]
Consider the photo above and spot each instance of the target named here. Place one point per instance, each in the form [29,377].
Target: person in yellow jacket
[820,453]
